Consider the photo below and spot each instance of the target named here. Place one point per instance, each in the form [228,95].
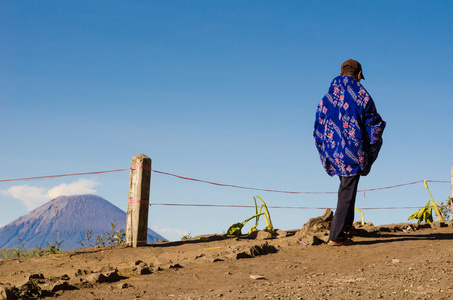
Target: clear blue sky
[223,91]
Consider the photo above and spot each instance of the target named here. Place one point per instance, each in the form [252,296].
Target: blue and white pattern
[348,129]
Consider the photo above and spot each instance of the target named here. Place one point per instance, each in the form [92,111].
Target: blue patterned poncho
[348,129]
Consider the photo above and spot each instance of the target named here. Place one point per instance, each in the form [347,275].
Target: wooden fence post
[138,201]
[451,196]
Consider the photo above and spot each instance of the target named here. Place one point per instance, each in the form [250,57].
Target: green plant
[23,248]
[99,240]
[39,252]
[425,213]
[186,237]
[157,240]
[30,290]
[445,208]
[116,237]
[16,252]
[53,248]
[120,236]
[86,236]
[236,229]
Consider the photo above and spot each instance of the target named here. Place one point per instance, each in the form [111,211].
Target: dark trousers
[344,214]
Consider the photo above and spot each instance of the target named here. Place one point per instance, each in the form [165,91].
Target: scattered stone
[162,261]
[64,277]
[62,286]
[28,289]
[107,268]
[143,270]
[424,225]
[257,277]
[316,230]
[357,224]
[316,225]
[7,292]
[123,285]
[76,281]
[437,225]
[25,282]
[263,235]
[396,228]
[314,241]
[96,278]
[81,272]
[395,260]
[281,233]
[323,237]
[112,276]
[3,295]
[200,256]
[409,228]
[175,266]
[36,276]
[254,250]
[259,235]
[383,229]
[210,237]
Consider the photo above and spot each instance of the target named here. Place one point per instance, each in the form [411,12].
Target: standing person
[348,135]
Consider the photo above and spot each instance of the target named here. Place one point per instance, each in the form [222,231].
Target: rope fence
[288,207]
[214,183]
[64,175]
[231,186]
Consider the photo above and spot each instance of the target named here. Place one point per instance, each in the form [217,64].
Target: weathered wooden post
[138,201]
[451,196]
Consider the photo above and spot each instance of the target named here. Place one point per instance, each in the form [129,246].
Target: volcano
[75,215]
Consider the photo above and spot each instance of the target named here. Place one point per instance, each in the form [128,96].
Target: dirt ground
[387,264]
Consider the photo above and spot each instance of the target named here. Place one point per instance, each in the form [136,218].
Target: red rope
[237,186]
[251,206]
[64,175]
[394,186]
[210,182]
[287,192]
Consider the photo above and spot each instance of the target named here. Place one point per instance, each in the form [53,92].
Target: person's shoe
[347,242]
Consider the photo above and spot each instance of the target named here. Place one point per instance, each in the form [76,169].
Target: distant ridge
[76,214]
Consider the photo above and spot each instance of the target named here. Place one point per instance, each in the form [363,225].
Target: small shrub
[186,237]
[426,213]
[157,240]
[112,238]
[53,248]
[86,238]
[445,208]
[236,228]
